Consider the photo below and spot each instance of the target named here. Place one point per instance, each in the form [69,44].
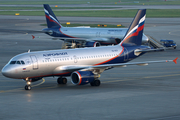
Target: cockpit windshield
[13,62]
[22,62]
[17,62]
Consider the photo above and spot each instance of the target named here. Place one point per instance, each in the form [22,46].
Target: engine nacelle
[92,44]
[82,77]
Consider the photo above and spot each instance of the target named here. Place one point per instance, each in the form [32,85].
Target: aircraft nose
[6,71]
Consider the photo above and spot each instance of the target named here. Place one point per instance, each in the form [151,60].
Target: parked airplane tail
[51,19]
[134,34]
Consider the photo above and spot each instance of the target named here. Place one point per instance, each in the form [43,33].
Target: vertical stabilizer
[51,19]
[134,34]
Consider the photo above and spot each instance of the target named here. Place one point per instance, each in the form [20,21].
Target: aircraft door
[126,56]
[34,62]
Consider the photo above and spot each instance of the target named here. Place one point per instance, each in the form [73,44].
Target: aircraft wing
[100,68]
[149,50]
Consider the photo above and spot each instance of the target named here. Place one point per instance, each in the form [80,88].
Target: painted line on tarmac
[15,90]
[116,81]
[141,78]
[39,83]
[163,76]
[110,81]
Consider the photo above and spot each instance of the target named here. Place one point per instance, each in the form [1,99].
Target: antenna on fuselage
[29,51]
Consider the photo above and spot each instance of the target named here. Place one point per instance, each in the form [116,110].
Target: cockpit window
[12,62]
[22,62]
[17,62]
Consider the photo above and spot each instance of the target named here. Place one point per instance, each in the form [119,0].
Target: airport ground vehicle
[168,43]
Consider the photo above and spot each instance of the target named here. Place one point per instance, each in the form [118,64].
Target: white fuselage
[103,35]
[56,62]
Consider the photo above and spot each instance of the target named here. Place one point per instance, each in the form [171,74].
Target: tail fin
[134,34]
[51,19]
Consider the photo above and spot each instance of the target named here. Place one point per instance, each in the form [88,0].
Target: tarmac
[136,92]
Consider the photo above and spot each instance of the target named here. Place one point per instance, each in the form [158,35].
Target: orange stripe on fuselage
[111,58]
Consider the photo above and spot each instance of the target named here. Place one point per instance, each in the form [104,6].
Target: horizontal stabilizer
[175,60]
[149,50]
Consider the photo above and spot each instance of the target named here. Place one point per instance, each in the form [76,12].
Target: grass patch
[53,8]
[103,2]
[100,13]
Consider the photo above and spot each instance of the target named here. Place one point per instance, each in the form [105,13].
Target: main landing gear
[95,83]
[61,80]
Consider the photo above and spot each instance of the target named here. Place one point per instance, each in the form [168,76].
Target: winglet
[175,60]
[33,36]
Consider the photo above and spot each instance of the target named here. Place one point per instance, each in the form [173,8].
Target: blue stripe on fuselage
[127,55]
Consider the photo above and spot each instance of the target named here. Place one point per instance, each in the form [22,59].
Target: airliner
[83,65]
[88,37]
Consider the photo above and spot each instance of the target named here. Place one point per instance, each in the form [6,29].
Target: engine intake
[92,44]
[82,77]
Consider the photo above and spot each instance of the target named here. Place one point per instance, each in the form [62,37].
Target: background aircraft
[84,65]
[87,37]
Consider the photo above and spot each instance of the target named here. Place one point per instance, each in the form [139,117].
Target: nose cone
[6,71]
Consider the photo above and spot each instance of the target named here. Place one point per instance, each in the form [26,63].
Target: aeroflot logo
[54,54]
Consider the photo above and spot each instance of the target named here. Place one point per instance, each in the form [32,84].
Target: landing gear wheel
[27,87]
[92,83]
[61,80]
[95,83]
[64,80]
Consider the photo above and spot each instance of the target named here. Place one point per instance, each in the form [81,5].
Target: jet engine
[82,77]
[92,44]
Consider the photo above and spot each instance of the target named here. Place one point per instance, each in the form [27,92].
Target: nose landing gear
[28,84]
[27,87]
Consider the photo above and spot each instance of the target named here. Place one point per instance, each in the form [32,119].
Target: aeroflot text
[54,54]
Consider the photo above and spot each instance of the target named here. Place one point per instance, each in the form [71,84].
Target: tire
[59,81]
[97,83]
[64,81]
[92,83]
[27,87]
